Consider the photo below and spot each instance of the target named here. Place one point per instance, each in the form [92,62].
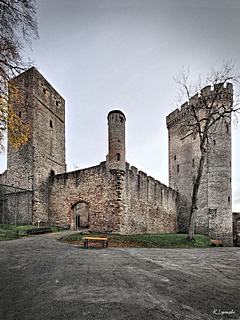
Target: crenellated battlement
[178,114]
[147,188]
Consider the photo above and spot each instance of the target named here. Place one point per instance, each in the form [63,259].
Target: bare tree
[18,26]
[207,112]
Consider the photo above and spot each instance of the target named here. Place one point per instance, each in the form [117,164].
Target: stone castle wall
[141,204]
[19,208]
[92,186]
[150,206]
[15,205]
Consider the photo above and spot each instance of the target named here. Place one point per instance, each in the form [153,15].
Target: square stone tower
[214,214]
[32,165]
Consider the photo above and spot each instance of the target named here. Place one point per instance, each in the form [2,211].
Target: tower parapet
[223,92]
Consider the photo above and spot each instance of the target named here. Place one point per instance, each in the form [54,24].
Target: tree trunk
[196,185]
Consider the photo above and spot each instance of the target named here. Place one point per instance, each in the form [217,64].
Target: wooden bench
[218,243]
[86,240]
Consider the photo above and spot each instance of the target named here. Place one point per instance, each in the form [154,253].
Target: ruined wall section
[214,204]
[18,208]
[93,186]
[15,205]
[150,206]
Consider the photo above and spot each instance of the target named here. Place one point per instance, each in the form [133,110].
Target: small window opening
[118,140]
[229,199]
[51,124]
[57,103]
[20,114]
[178,168]
[193,164]
[175,157]
[214,142]
[44,90]
[227,127]
[212,212]
[118,157]
[52,173]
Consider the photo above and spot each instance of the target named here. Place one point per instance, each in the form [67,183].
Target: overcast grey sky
[107,54]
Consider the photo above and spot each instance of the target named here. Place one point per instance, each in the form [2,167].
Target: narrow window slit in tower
[193,164]
[51,124]
[118,157]
[20,114]
[229,199]
[175,157]
[52,173]
[178,168]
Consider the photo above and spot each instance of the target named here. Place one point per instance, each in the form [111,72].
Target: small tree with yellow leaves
[17,27]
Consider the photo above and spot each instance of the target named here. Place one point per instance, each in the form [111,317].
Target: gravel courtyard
[42,278]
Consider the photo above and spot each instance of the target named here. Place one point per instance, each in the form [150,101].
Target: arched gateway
[81,215]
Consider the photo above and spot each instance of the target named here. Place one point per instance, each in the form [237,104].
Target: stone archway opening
[81,215]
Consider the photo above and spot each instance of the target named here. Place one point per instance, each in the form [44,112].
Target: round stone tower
[116,140]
